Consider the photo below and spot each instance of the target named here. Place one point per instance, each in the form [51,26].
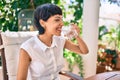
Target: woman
[42,55]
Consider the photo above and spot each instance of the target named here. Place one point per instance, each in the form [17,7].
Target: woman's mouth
[59,29]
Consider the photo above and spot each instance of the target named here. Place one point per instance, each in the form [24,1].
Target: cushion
[11,44]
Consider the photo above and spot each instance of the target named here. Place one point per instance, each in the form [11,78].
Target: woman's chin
[58,34]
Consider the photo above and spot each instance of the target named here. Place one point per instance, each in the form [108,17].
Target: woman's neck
[46,39]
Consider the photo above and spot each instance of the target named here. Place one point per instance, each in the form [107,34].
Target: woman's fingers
[75,27]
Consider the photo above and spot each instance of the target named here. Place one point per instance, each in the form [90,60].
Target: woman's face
[54,25]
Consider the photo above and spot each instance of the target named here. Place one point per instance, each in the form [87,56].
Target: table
[114,75]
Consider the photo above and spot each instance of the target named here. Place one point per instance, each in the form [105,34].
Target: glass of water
[69,32]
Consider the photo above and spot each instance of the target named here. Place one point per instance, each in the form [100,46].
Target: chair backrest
[10,43]
[3,60]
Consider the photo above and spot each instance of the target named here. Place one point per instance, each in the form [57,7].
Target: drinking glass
[69,32]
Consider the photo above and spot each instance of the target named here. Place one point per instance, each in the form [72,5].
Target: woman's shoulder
[29,42]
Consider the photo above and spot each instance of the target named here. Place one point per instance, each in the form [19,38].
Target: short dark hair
[44,12]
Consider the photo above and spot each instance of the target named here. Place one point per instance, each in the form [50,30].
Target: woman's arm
[80,47]
[24,61]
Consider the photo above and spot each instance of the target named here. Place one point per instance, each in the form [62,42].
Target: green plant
[118,37]
[9,11]
[74,59]
[109,48]
[102,31]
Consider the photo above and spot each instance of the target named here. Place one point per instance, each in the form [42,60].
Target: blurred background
[17,15]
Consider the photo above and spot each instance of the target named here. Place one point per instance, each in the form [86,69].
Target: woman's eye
[57,20]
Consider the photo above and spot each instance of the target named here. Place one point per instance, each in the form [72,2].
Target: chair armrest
[71,75]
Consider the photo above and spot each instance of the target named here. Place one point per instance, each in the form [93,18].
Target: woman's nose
[62,23]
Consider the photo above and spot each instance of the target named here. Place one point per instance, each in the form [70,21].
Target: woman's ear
[42,23]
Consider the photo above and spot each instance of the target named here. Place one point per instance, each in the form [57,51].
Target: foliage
[74,59]
[102,31]
[108,50]
[75,8]
[103,55]
[9,11]
[111,36]
[107,59]
[114,55]
[118,37]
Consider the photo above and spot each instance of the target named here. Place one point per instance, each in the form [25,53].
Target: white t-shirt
[46,61]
